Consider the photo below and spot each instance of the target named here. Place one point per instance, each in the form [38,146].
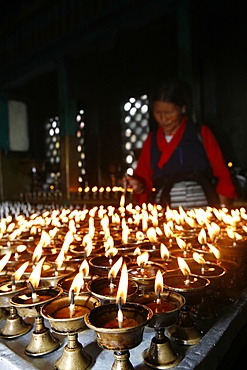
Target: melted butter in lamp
[127,323]
[161,307]
[64,312]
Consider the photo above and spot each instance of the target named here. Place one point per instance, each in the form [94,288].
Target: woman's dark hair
[175,92]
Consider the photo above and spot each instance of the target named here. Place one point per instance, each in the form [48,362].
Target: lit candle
[35,297]
[122,294]
[72,304]
[185,270]
[120,317]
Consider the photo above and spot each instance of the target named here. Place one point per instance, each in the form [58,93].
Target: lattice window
[135,129]
[80,134]
[53,154]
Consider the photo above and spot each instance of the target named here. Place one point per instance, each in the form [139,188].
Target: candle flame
[181,243]
[122,201]
[125,234]
[89,247]
[168,231]
[18,273]
[215,251]
[5,260]
[137,251]
[111,252]
[21,248]
[158,286]
[233,235]
[164,252]
[84,268]
[199,258]
[123,285]
[37,253]
[151,234]
[77,283]
[183,266]
[142,258]
[115,268]
[34,278]
[202,236]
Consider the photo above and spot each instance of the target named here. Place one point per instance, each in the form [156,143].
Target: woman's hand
[136,184]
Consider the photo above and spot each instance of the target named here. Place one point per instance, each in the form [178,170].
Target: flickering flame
[45,239]
[109,243]
[111,252]
[18,273]
[181,243]
[123,285]
[86,239]
[94,189]
[4,260]
[199,258]
[213,230]
[84,268]
[125,234]
[89,247]
[151,234]
[77,283]
[122,201]
[158,285]
[168,231]
[144,221]
[115,268]
[202,237]
[137,251]
[69,237]
[215,251]
[190,221]
[60,259]
[233,235]
[37,253]
[164,252]
[142,259]
[21,248]
[34,278]
[183,266]
[105,222]
[91,227]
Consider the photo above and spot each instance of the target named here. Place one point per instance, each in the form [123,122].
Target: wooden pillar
[67,116]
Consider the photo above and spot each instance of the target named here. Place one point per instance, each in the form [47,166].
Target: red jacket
[144,171]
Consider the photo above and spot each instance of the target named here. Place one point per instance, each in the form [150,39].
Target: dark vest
[188,162]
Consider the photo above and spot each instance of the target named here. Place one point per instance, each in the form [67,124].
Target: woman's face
[168,116]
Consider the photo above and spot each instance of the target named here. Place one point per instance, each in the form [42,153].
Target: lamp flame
[215,251]
[181,243]
[34,278]
[164,252]
[5,260]
[115,268]
[158,285]
[183,266]
[18,273]
[77,283]
[84,268]
[123,285]
[198,258]
[151,234]
[142,259]
[202,237]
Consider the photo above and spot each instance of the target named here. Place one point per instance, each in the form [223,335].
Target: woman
[180,159]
